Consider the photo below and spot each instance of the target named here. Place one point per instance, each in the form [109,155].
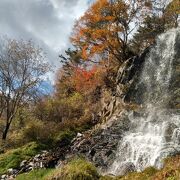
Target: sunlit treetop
[106,26]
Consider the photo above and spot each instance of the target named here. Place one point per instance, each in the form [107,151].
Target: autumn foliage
[86,81]
[104,30]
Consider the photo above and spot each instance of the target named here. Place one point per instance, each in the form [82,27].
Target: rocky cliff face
[154,135]
[127,90]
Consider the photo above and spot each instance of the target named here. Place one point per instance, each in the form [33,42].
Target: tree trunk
[4,135]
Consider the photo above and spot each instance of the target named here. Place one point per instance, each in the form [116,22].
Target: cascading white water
[156,134]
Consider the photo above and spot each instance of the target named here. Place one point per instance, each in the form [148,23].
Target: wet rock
[12,171]
[4,176]
[169,129]
[31,164]
[126,168]
[175,80]
[23,163]
[29,169]
[79,135]
[129,78]
[37,156]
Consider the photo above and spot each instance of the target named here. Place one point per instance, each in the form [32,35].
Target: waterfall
[155,134]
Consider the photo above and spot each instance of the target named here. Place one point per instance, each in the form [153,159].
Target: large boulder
[126,168]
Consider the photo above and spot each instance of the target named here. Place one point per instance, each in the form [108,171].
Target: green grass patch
[35,175]
[13,158]
[77,169]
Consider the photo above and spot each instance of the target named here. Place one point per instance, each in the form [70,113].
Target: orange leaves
[97,49]
[104,30]
[84,52]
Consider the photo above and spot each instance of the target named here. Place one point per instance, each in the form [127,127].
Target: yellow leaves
[97,49]
[171,14]
[74,99]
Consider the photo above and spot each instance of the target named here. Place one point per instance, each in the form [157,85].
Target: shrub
[33,130]
[39,131]
[78,169]
[64,138]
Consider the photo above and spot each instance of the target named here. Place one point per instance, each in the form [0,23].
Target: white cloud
[47,22]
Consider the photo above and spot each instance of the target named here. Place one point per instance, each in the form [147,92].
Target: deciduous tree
[104,30]
[22,66]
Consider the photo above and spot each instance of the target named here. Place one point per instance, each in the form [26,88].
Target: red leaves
[87,80]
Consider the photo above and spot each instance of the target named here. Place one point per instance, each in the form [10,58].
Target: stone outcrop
[126,168]
[100,145]
[127,89]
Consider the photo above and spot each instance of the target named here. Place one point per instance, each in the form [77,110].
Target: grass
[77,169]
[171,170]
[147,174]
[35,175]
[13,158]
[80,169]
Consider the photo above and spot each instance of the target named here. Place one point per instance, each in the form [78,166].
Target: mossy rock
[13,158]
